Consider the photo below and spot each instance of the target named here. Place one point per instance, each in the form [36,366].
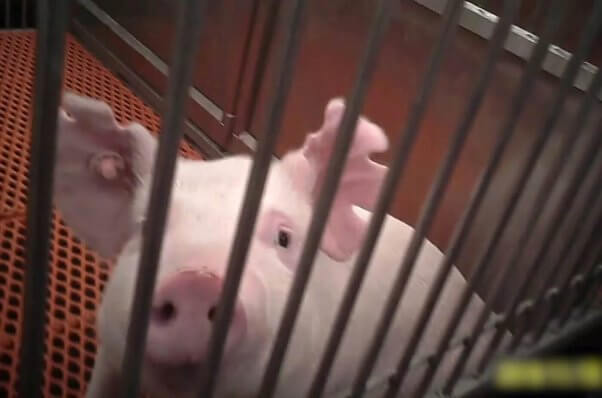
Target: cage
[492,110]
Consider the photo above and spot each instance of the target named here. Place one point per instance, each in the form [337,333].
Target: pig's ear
[360,182]
[99,166]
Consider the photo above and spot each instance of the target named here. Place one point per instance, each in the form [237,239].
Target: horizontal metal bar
[189,23]
[208,148]
[253,196]
[461,232]
[520,41]
[50,55]
[197,96]
[416,116]
[342,145]
[443,177]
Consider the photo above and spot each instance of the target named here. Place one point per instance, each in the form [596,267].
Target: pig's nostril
[211,313]
[166,312]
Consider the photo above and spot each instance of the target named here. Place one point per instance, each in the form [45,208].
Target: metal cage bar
[568,147]
[589,247]
[384,202]
[517,189]
[589,257]
[417,112]
[266,45]
[189,23]
[443,177]
[567,253]
[23,13]
[565,202]
[7,14]
[253,195]
[462,229]
[342,145]
[596,275]
[51,37]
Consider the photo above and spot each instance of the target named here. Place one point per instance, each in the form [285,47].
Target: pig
[102,177]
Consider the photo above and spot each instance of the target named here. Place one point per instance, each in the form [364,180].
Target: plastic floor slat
[77,273]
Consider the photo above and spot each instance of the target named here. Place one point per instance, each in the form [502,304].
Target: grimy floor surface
[77,274]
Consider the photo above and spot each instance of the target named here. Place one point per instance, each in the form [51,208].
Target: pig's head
[102,181]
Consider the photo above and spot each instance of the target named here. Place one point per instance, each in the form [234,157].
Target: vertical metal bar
[596,273]
[52,28]
[342,145]
[526,170]
[443,177]
[392,179]
[588,257]
[539,203]
[253,195]
[451,17]
[266,41]
[506,131]
[567,255]
[189,23]
[7,14]
[23,13]
[557,219]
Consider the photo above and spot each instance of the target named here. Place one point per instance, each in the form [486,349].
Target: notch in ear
[99,166]
[359,185]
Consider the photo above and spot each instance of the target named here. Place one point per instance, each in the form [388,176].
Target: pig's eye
[284,238]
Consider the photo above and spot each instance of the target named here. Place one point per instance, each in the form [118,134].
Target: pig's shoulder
[393,243]
[196,175]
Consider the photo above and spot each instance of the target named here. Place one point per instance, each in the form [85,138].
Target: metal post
[253,195]
[190,21]
[53,20]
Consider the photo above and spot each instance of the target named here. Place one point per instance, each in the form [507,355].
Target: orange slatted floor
[77,274]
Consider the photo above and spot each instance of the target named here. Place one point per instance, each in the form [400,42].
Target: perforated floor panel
[77,274]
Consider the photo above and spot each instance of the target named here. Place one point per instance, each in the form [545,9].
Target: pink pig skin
[102,186]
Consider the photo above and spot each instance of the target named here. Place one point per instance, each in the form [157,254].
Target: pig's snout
[184,307]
